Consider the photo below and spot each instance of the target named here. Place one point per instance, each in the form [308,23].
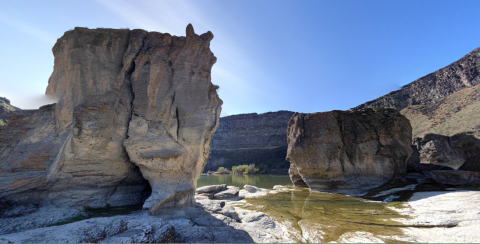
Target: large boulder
[133,105]
[349,151]
[460,151]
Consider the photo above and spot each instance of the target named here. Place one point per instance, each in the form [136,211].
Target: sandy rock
[349,151]
[456,177]
[133,105]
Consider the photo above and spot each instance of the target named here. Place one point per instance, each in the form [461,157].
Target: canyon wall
[443,102]
[258,139]
[134,105]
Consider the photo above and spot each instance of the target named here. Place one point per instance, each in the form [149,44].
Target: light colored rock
[133,105]
[456,177]
[451,216]
[359,237]
[349,151]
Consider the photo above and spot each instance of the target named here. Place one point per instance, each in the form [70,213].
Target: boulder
[231,192]
[295,176]
[134,106]
[211,189]
[439,152]
[456,177]
[349,151]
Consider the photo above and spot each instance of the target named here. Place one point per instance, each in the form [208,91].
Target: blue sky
[305,56]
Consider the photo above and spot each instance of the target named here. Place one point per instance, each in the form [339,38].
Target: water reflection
[263,181]
[322,217]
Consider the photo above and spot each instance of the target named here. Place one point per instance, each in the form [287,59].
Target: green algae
[328,215]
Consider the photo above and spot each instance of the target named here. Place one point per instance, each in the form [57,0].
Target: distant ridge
[444,102]
[429,89]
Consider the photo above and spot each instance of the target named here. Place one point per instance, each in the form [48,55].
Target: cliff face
[5,110]
[429,89]
[133,105]
[443,102]
[258,139]
[348,152]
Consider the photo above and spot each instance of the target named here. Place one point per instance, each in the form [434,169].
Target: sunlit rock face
[348,151]
[134,105]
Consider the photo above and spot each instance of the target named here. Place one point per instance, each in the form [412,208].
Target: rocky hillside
[443,102]
[430,89]
[451,115]
[5,110]
[258,139]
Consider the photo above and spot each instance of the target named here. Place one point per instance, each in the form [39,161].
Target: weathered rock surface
[429,89]
[444,102]
[134,105]
[349,151]
[460,151]
[456,177]
[5,110]
[258,139]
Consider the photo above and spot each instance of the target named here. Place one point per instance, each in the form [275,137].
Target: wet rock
[231,192]
[211,189]
[349,151]
[456,177]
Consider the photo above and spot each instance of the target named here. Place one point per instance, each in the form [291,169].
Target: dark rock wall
[258,139]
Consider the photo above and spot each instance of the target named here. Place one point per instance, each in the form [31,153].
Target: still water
[263,181]
[319,217]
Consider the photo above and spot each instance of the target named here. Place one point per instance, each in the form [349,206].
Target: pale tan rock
[126,98]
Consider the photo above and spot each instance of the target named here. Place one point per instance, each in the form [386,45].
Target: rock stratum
[134,106]
[348,151]
[258,139]
[443,102]
[5,110]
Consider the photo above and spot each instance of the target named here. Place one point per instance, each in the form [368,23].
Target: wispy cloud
[28,29]
[172,17]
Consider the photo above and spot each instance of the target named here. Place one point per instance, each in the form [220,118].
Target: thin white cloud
[172,17]
[28,29]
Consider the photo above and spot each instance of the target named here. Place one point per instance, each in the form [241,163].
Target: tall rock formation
[258,139]
[443,102]
[348,151]
[133,105]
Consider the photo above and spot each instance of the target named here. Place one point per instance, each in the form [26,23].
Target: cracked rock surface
[133,106]
[348,151]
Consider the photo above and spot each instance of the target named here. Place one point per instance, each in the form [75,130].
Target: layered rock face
[429,89]
[258,139]
[348,151]
[125,96]
[5,110]
[444,102]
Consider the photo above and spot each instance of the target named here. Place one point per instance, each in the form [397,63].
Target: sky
[302,56]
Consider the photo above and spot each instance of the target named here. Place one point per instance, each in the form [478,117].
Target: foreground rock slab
[453,217]
[348,151]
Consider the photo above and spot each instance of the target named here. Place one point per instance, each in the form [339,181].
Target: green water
[263,181]
[326,216]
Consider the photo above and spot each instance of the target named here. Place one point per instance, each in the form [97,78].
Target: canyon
[258,139]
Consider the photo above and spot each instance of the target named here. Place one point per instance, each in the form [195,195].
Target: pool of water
[263,181]
[325,217]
